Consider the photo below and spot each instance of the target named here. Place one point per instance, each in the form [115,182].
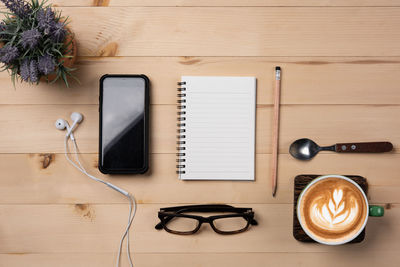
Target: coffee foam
[333,210]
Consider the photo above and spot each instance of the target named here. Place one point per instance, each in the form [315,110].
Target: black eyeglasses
[176,220]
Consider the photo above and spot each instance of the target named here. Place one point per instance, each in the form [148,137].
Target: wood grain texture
[341,61]
[283,259]
[223,3]
[100,231]
[308,80]
[277,31]
[29,181]
[326,125]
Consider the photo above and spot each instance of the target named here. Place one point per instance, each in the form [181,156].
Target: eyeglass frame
[167,214]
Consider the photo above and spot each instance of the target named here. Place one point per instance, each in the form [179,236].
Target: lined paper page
[220,128]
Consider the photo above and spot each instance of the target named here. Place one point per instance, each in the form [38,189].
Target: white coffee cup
[375,211]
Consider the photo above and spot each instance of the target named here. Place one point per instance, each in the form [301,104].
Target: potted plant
[36,44]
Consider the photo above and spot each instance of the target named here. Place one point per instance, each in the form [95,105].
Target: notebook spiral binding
[181,130]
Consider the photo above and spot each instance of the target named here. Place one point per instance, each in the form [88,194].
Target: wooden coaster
[300,182]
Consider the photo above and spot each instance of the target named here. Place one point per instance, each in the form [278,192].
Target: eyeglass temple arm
[253,221]
[206,208]
[159,226]
[190,207]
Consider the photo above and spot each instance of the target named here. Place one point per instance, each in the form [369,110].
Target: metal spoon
[306,149]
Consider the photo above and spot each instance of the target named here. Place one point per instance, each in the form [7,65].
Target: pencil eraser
[277,68]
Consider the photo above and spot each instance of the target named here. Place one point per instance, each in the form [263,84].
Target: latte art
[333,209]
[338,213]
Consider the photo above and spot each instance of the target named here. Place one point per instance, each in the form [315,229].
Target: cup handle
[376,211]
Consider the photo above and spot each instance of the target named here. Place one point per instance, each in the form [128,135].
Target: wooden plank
[104,3]
[46,178]
[45,137]
[97,229]
[306,80]
[326,124]
[208,31]
[284,259]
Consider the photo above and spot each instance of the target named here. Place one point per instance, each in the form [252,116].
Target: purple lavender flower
[46,64]
[46,20]
[58,32]
[33,71]
[29,70]
[30,38]
[24,70]
[18,7]
[8,54]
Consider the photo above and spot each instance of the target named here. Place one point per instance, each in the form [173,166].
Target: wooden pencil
[275,130]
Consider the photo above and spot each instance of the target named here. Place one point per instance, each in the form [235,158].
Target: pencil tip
[274,192]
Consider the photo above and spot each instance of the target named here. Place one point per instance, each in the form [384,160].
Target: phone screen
[123,126]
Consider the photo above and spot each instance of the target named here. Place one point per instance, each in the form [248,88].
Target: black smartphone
[124,124]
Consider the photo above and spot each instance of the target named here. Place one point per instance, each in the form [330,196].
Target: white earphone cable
[131,198]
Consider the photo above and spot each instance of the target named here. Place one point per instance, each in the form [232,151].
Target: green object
[376,211]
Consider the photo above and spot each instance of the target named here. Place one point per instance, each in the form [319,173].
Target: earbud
[61,124]
[76,117]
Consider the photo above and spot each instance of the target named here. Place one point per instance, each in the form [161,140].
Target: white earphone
[62,124]
[77,118]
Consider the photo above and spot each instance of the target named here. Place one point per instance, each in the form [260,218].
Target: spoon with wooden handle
[306,149]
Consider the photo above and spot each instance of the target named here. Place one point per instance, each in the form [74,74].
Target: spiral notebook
[216,128]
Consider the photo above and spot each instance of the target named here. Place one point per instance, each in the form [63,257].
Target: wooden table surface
[341,83]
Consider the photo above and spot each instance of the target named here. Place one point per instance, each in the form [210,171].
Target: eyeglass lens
[186,225]
[182,224]
[230,224]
